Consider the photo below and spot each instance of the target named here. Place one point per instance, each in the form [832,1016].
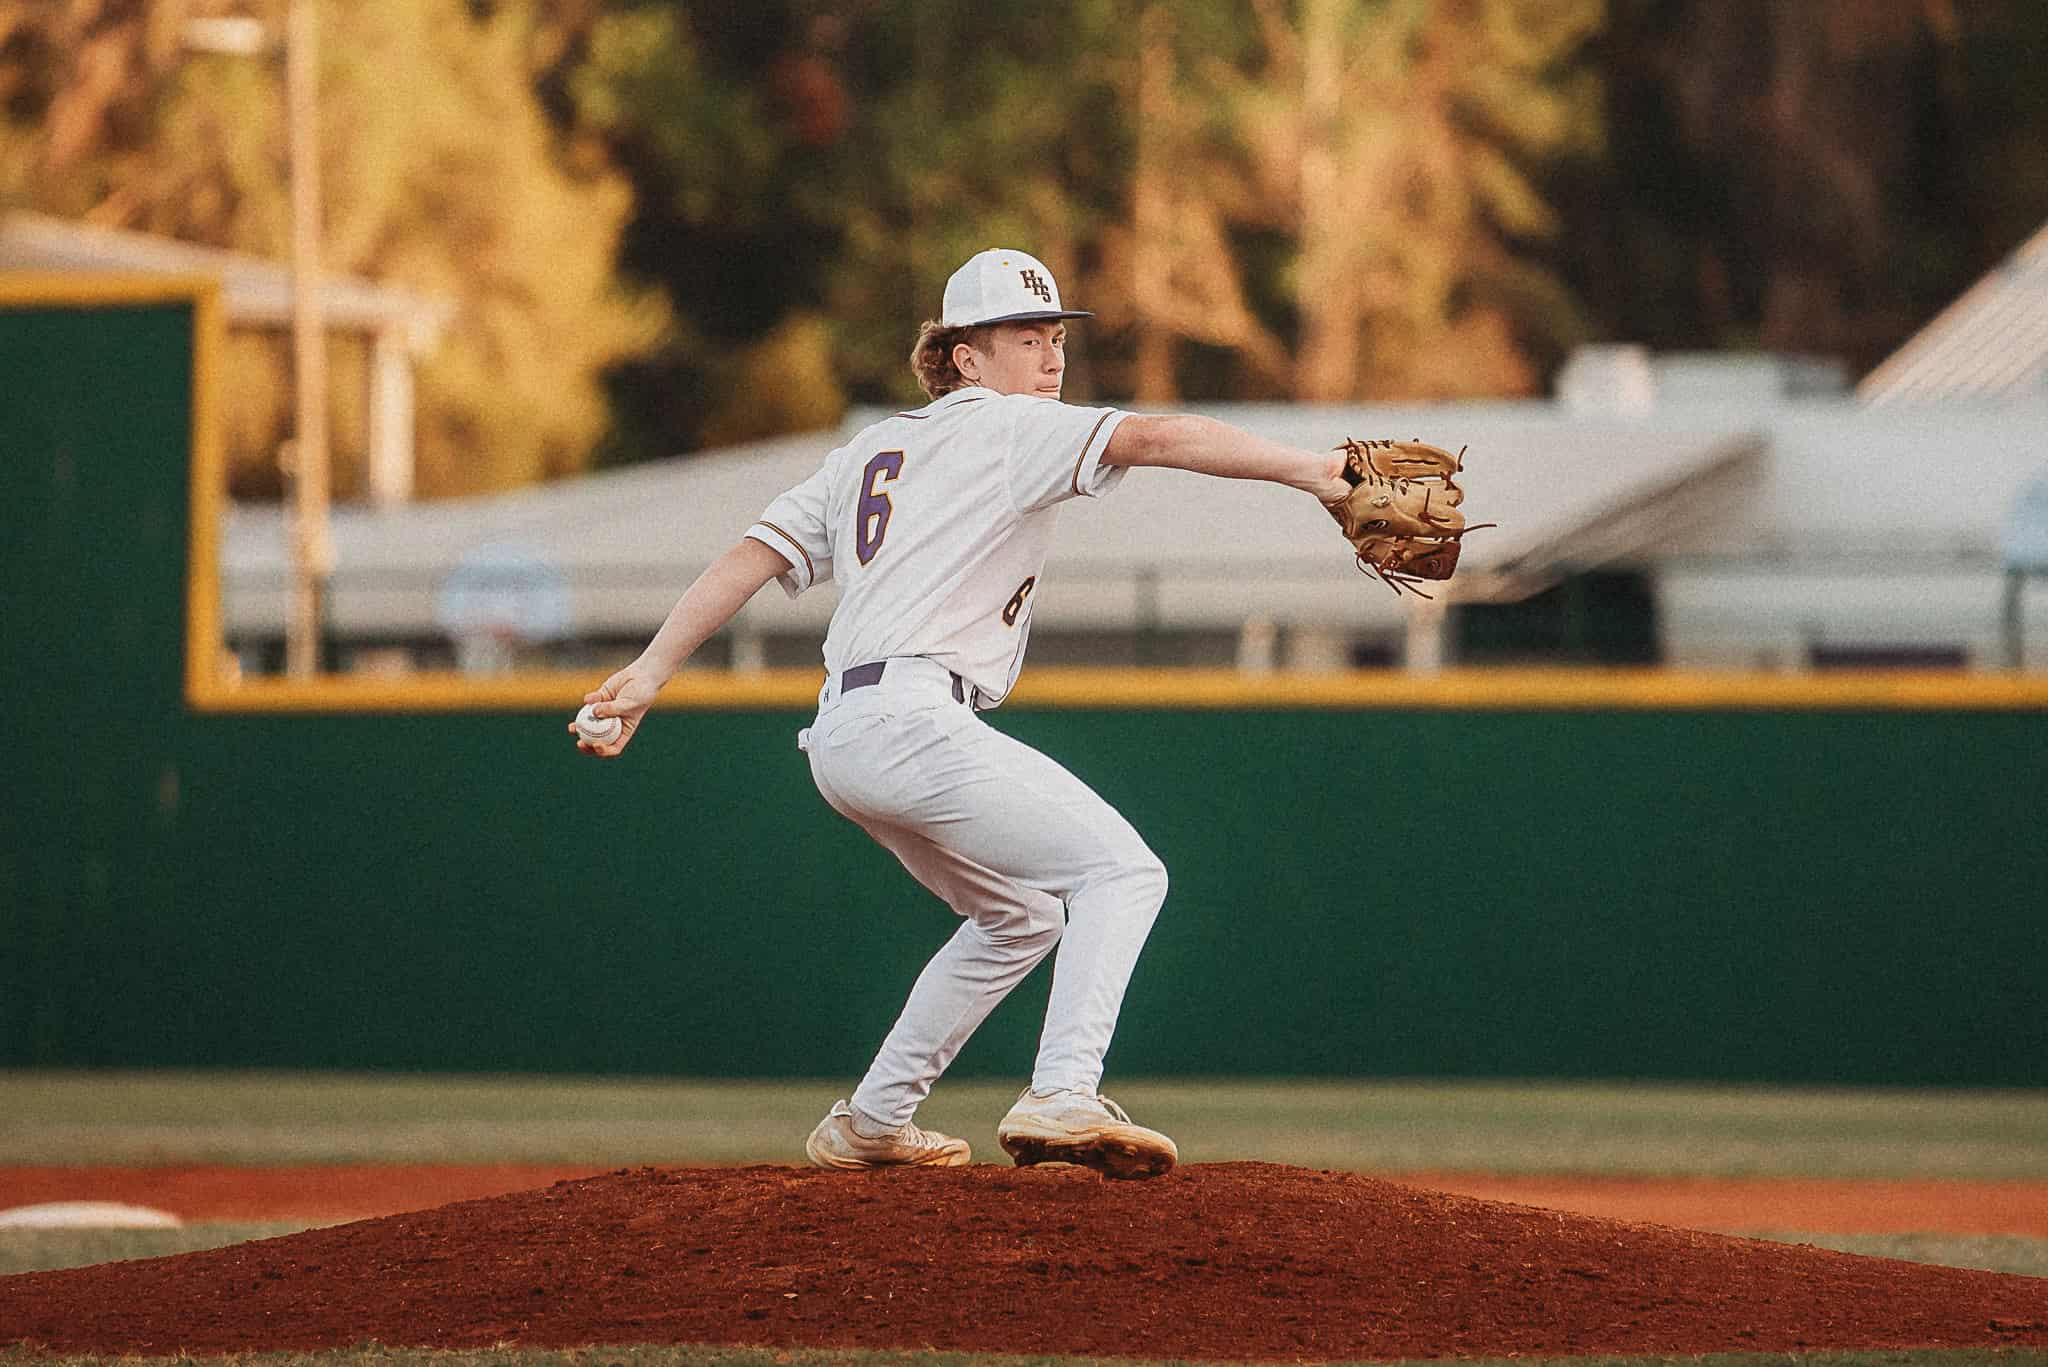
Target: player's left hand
[1402,514]
[626,695]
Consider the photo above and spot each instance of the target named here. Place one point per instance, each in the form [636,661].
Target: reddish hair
[931,356]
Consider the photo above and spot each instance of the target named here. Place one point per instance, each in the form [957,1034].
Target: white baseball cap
[1001,286]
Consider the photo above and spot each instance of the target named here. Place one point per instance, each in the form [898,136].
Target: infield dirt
[1240,1260]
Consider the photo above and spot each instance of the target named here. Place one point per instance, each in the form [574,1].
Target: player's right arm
[707,605]
[790,542]
[1209,447]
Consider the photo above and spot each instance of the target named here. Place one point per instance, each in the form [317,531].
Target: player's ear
[966,361]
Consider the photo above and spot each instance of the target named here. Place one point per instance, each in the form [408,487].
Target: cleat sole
[1113,1158]
[825,1158]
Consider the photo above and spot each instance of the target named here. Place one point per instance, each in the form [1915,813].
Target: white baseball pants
[1028,855]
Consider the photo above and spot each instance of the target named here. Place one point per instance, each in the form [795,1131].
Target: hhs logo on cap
[999,286]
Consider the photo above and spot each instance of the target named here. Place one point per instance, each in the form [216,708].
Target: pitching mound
[1240,1260]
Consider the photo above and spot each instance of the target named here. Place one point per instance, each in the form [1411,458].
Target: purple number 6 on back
[871,518]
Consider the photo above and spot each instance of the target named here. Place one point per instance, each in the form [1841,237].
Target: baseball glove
[1402,514]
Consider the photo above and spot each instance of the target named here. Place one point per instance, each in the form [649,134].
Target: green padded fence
[1807,896]
[95,432]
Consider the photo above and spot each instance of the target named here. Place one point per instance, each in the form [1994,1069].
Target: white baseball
[597,730]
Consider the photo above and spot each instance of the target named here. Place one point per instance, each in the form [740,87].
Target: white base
[87,1215]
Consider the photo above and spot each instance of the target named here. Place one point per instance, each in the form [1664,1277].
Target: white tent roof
[1992,341]
[1166,549]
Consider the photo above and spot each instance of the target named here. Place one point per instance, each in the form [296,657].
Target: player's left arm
[707,605]
[1209,447]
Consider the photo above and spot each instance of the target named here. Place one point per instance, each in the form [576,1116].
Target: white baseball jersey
[936,523]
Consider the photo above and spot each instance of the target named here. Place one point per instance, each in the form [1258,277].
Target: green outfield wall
[1808,896]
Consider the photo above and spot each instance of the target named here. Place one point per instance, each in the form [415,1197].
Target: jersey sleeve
[795,527]
[1055,451]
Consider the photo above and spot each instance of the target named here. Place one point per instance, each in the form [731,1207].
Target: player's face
[1022,358]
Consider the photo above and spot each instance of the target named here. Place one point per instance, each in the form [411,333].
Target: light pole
[312,545]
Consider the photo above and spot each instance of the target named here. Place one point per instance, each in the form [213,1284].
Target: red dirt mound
[327,1193]
[1242,1260]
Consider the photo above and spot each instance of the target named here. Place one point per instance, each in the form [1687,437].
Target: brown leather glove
[1402,515]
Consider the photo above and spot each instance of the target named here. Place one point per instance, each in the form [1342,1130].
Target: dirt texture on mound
[328,1193]
[1239,1260]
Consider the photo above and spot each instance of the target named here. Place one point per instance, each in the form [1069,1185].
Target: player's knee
[1036,930]
[1146,877]
[1043,929]
[1133,885]
[1043,936]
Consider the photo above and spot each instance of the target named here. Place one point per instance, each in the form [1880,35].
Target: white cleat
[837,1144]
[1081,1127]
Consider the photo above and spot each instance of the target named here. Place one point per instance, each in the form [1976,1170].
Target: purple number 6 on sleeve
[871,518]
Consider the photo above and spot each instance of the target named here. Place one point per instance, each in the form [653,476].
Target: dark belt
[861,676]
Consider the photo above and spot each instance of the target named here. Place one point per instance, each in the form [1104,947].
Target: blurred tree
[77,77]
[1310,198]
[1389,147]
[1314,198]
[1995,160]
[441,173]
[801,160]
[1188,279]
[983,126]
[726,118]
[1815,177]
[1324,199]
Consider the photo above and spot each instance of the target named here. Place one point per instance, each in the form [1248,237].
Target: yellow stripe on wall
[1067,687]
[1534,689]
[47,289]
[206,498]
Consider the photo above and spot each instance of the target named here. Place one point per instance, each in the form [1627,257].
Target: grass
[1990,1252]
[1648,1130]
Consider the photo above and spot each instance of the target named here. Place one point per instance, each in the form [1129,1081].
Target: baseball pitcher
[935,526]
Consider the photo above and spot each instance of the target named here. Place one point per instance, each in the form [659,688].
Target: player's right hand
[626,695]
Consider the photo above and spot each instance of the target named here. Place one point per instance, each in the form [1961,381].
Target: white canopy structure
[1167,550]
[1172,552]
[1990,343]
[1767,528]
